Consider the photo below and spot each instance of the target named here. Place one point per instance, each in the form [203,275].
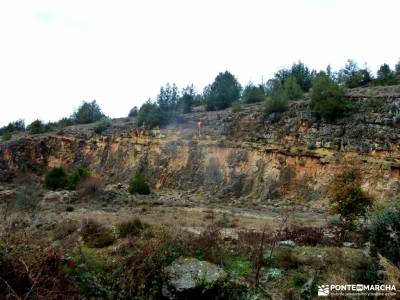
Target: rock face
[59,196]
[186,274]
[245,154]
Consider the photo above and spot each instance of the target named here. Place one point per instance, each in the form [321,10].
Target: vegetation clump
[139,185]
[102,125]
[223,92]
[88,112]
[77,176]
[96,235]
[56,178]
[327,98]
[132,227]
[253,94]
[347,198]
[384,232]
[37,127]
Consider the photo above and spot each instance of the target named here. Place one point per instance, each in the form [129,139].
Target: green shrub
[278,103]
[236,107]
[352,76]
[96,235]
[138,185]
[292,89]
[238,267]
[133,112]
[36,127]
[385,76]
[56,178]
[384,232]
[131,227]
[300,72]
[347,198]
[327,98]
[253,94]
[88,112]
[102,125]
[6,136]
[77,176]
[223,92]
[277,100]
[150,115]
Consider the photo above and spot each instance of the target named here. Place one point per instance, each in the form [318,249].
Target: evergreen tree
[168,97]
[88,112]
[223,92]
[252,93]
[327,98]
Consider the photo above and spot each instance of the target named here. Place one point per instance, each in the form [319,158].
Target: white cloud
[56,53]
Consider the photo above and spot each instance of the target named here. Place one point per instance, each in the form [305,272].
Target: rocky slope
[234,155]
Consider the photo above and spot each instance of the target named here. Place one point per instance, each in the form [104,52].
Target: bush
[36,127]
[133,112]
[327,98]
[12,127]
[131,227]
[300,72]
[150,115]
[253,94]
[223,92]
[236,107]
[6,136]
[303,235]
[138,185]
[352,76]
[56,178]
[90,186]
[292,89]
[102,125]
[385,76]
[286,258]
[384,232]
[77,176]
[64,229]
[96,235]
[347,198]
[88,112]
[278,100]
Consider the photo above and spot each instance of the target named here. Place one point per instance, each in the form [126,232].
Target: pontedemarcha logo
[323,290]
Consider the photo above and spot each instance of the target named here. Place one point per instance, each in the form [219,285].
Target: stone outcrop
[186,274]
[245,154]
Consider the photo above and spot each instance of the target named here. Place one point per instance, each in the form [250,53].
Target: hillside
[220,180]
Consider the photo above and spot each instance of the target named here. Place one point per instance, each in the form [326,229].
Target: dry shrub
[64,229]
[34,275]
[209,245]
[132,227]
[249,241]
[286,258]
[303,235]
[390,272]
[91,186]
[95,235]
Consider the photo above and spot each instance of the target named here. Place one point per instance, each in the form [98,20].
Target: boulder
[287,243]
[59,196]
[186,274]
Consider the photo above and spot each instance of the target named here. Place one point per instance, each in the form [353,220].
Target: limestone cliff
[245,154]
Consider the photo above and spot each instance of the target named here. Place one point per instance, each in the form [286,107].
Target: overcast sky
[56,53]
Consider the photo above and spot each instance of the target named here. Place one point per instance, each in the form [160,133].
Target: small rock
[59,196]
[287,243]
[349,244]
[185,274]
